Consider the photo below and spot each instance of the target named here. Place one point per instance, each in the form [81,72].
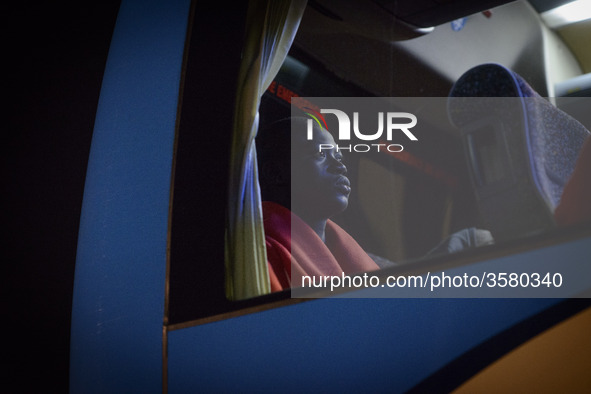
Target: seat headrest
[490,80]
[552,138]
[486,80]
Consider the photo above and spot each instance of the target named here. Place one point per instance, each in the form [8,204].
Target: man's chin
[341,205]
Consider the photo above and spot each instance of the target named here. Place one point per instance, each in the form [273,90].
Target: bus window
[412,203]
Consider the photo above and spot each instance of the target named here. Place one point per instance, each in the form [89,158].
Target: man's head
[318,178]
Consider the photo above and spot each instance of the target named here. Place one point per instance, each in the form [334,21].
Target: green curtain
[270,29]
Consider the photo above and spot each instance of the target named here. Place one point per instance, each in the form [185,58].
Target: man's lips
[343,184]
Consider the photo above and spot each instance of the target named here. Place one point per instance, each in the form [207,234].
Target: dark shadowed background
[53,56]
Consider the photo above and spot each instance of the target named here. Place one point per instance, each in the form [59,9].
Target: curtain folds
[270,29]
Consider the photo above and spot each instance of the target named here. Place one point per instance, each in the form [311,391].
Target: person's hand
[464,239]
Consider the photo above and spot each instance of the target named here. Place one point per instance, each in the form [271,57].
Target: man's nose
[337,166]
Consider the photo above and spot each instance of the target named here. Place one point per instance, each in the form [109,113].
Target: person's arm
[382,262]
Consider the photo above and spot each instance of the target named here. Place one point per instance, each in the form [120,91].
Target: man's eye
[320,155]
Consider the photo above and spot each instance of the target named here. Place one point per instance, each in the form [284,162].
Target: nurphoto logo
[390,122]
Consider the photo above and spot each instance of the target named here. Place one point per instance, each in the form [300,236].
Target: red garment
[575,203]
[295,250]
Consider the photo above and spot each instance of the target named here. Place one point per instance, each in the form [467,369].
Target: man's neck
[318,225]
[319,228]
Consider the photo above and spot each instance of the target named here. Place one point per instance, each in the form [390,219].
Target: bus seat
[575,204]
[521,149]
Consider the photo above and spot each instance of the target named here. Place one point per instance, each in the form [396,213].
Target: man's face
[319,184]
